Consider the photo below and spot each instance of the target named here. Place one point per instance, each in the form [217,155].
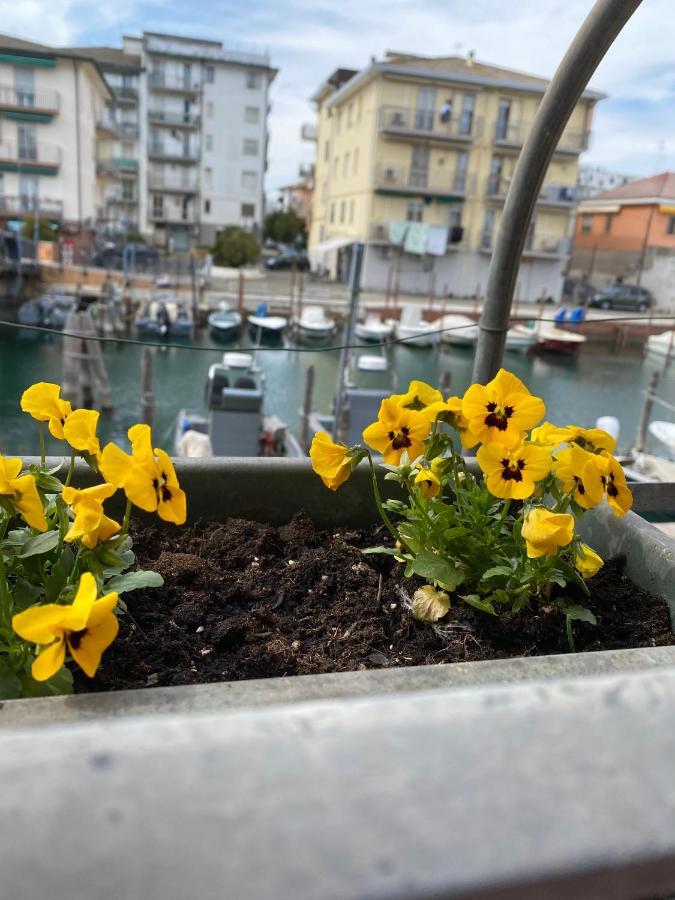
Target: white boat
[664,432]
[520,338]
[313,324]
[373,329]
[224,323]
[461,331]
[662,344]
[264,326]
[558,340]
[414,331]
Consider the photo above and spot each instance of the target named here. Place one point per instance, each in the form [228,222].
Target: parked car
[286,259]
[145,257]
[622,296]
[577,291]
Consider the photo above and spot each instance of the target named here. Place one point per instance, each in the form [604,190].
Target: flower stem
[378,502]
[43,452]
[71,469]
[504,513]
[5,600]
[570,636]
[125,520]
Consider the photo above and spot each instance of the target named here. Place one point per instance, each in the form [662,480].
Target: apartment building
[51,105]
[593,179]
[414,157]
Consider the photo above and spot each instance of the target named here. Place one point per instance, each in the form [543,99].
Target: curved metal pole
[594,38]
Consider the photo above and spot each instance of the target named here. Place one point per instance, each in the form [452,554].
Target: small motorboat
[461,331]
[48,311]
[164,318]
[264,326]
[662,344]
[414,331]
[373,330]
[520,339]
[224,323]
[556,340]
[313,325]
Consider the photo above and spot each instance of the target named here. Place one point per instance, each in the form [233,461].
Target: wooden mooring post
[147,392]
[650,394]
[307,404]
[241,294]
[84,371]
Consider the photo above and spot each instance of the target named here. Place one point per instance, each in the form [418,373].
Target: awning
[331,244]
[585,210]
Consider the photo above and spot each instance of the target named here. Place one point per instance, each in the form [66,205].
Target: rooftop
[656,187]
[25,48]
[110,57]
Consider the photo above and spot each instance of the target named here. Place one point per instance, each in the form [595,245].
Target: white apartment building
[593,179]
[51,105]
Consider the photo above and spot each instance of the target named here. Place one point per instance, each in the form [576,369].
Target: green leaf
[48,483]
[572,575]
[497,570]
[61,683]
[132,581]
[39,544]
[481,605]
[575,611]
[389,551]
[10,685]
[24,594]
[57,578]
[457,532]
[435,568]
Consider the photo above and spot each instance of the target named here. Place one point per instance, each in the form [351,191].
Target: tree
[235,247]
[285,227]
[46,232]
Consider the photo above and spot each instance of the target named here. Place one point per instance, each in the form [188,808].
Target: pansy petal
[39,624]
[89,648]
[49,661]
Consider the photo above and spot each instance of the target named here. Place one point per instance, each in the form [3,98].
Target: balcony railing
[513,135]
[106,124]
[573,142]
[435,182]
[401,120]
[128,129]
[308,131]
[172,184]
[379,231]
[173,216]
[39,100]
[544,245]
[174,152]
[564,196]
[167,82]
[497,186]
[173,119]
[25,204]
[30,156]
[125,93]
[115,166]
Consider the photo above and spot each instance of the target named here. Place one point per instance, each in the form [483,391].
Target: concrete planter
[519,779]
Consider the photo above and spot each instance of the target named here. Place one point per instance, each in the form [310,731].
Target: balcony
[173,216]
[400,121]
[537,246]
[125,94]
[172,152]
[379,233]
[436,182]
[163,81]
[573,142]
[106,126]
[173,119]
[38,158]
[554,196]
[116,166]
[128,130]
[21,103]
[512,137]
[24,204]
[172,185]
[308,131]
[119,198]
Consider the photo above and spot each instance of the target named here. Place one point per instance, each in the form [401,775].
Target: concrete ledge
[557,789]
[231,696]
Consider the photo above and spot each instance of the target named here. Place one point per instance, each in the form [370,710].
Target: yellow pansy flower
[549,435]
[581,472]
[147,477]
[613,480]
[587,561]
[545,531]
[86,628]
[512,472]
[501,411]
[418,396]
[427,479]
[330,461]
[91,525]
[397,430]
[451,412]
[42,402]
[22,493]
[592,439]
[79,430]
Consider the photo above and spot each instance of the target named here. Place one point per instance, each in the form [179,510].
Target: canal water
[575,390]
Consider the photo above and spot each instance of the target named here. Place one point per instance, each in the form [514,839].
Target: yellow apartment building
[414,156]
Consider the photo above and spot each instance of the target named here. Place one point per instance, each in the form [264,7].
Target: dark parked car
[142,257]
[622,296]
[286,259]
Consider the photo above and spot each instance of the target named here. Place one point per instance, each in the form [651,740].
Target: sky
[634,129]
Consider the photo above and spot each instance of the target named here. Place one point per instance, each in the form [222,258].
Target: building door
[466,117]
[426,103]
[24,86]
[187,75]
[495,179]
[503,114]
[419,167]
[28,193]
[459,182]
[488,229]
[27,142]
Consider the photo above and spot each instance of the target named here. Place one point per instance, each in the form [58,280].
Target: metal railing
[161,150]
[30,155]
[537,244]
[402,120]
[174,217]
[160,116]
[435,181]
[169,183]
[114,166]
[128,129]
[497,187]
[125,92]
[168,82]
[36,100]
[26,204]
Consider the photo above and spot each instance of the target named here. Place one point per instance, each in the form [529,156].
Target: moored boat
[662,344]
[458,330]
[373,330]
[415,331]
[313,324]
[264,326]
[224,323]
[557,340]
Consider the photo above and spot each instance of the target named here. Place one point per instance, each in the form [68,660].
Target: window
[336,166]
[249,180]
[252,115]
[208,142]
[28,192]
[209,74]
[414,211]
[207,206]
[127,150]
[355,161]
[670,227]
[351,211]
[208,176]
[488,229]
[586,224]
[324,191]
[503,113]
[419,166]
[338,124]
[322,233]
[350,114]
[460,172]
[326,151]
[455,217]
[358,109]
[250,147]
[426,103]
[209,109]
[24,86]
[27,142]
[128,192]
[248,210]
[466,117]
[345,165]
[343,206]
[253,79]
[608,223]
[332,213]
[157,206]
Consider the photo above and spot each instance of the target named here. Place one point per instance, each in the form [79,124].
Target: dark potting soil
[243,600]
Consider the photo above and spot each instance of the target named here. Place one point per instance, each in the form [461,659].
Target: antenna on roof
[470,57]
